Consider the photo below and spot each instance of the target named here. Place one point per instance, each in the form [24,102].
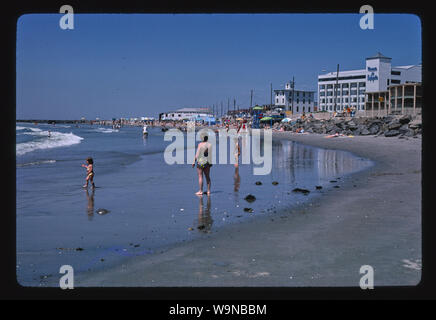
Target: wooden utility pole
[270,95]
[292,87]
[228,105]
[234,104]
[251,98]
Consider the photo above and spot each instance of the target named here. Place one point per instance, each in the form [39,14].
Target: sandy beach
[373,218]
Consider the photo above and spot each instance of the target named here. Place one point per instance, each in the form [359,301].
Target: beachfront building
[295,101]
[351,88]
[403,98]
[187,114]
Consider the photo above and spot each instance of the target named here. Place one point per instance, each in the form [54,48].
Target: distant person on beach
[203,166]
[89,172]
[49,134]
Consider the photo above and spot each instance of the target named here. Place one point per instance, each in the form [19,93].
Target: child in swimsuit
[89,172]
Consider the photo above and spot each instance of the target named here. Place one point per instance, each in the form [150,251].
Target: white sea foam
[107,130]
[35,163]
[43,141]
[18,128]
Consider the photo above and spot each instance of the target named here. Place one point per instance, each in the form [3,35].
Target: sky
[134,65]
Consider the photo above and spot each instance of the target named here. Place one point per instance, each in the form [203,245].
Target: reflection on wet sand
[237,179]
[90,207]
[204,218]
[291,157]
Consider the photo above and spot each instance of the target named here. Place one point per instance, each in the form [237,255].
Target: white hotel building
[296,101]
[187,114]
[354,85]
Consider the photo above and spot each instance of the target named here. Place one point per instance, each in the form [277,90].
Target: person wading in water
[203,165]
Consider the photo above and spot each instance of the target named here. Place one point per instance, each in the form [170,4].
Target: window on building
[353,85]
[362,84]
[304,109]
[345,85]
[304,101]
[353,92]
[297,109]
[329,86]
[322,86]
[396,73]
[393,81]
[277,100]
[298,100]
[345,93]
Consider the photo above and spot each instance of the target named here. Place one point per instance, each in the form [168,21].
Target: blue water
[151,204]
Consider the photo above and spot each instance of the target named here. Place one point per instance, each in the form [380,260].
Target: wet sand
[373,218]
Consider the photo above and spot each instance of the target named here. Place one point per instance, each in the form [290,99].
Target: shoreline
[373,218]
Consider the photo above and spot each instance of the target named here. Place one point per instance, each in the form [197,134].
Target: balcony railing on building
[398,99]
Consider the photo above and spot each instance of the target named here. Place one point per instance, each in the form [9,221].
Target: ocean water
[151,205]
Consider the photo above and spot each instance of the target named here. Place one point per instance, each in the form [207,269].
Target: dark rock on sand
[258,183]
[275,183]
[394,125]
[248,210]
[102,211]
[365,132]
[373,129]
[303,191]
[415,124]
[392,133]
[405,119]
[318,187]
[250,198]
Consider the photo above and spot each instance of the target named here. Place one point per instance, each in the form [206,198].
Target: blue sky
[128,65]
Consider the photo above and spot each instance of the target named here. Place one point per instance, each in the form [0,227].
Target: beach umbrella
[239,119]
[266,119]
[286,120]
[257,108]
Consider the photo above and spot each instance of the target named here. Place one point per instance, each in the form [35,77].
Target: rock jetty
[389,126]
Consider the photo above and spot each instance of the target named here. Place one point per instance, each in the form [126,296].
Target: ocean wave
[19,128]
[107,130]
[35,163]
[56,139]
